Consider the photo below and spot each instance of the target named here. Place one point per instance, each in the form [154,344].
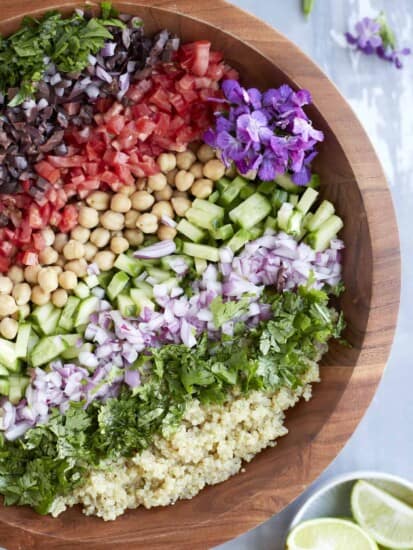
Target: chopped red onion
[158,250]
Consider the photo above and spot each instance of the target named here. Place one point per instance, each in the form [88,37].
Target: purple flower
[252,127]
[368,36]
[374,36]
[234,93]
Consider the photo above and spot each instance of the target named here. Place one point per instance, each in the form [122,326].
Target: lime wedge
[388,520]
[329,534]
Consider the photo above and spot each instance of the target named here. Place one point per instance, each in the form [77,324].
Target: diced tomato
[38,241]
[4,264]
[69,218]
[47,171]
[67,161]
[29,258]
[72,108]
[115,109]
[125,174]
[195,57]
[144,128]
[6,248]
[115,124]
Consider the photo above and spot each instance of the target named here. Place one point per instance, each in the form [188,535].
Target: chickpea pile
[108,224]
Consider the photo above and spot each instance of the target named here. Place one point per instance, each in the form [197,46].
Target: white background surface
[382,97]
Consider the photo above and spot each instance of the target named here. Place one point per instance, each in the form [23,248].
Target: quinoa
[209,446]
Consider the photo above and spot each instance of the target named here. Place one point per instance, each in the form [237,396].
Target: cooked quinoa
[209,446]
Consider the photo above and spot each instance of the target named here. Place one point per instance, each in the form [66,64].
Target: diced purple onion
[157,250]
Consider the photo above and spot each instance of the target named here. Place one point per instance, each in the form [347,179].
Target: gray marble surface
[382,97]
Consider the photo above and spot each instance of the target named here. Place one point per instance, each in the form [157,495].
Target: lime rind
[386,518]
[328,534]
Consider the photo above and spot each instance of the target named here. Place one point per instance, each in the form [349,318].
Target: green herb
[386,33]
[224,312]
[307,6]
[53,458]
[65,42]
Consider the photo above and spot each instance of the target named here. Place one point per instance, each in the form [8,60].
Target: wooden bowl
[353,179]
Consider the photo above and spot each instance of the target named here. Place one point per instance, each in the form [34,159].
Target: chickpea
[77,266]
[165,194]
[131,218]
[99,200]
[170,177]
[119,245]
[202,188]
[127,190]
[197,170]
[105,260]
[7,305]
[21,293]
[182,194]
[184,180]
[134,237]
[8,328]
[48,256]
[100,237]
[6,285]
[166,233]
[163,208]
[39,296]
[68,280]
[73,250]
[140,184]
[48,236]
[47,279]
[185,160]
[90,251]
[31,272]
[80,234]
[16,274]
[60,261]
[166,162]
[214,169]
[120,203]
[180,205]
[88,217]
[157,182]
[57,268]
[112,220]
[59,297]
[147,223]
[142,200]
[59,242]
[205,153]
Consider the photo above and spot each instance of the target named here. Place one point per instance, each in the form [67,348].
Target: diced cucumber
[287,183]
[66,321]
[160,275]
[8,355]
[85,310]
[201,218]
[240,239]
[251,212]
[279,197]
[223,183]
[91,281]
[247,191]
[117,284]
[17,387]
[320,239]
[4,386]
[22,340]
[231,193]
[82,291]
[141,300]
[293,199]
[106,277]
[202,251]
[256,232]
[213,197]
[178,243]
[200,265]
[191,231]
[46,317]
[271,223]
[22,313]
[171,283]
[213,209]
[294,226]
[314,181]
[131,266]
[73,352]
[307,200]
[4,371]
[126,305]
[145,287]
[323,212]
[283,215]
[224,232]
[46,350]
[33,340]
[71,340]
[266,187]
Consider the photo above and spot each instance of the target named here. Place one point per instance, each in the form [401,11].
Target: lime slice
[329,534]
[388,520]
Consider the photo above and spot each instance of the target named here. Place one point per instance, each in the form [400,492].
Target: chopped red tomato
[195,57]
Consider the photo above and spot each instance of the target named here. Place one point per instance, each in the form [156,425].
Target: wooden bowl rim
[301,71]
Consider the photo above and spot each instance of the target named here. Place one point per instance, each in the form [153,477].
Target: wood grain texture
[352,177]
